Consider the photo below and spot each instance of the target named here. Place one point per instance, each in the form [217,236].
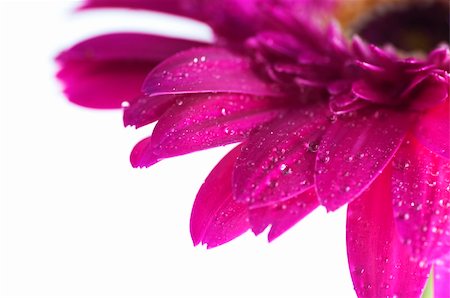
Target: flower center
[414,25]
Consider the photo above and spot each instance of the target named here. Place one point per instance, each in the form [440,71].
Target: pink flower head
[320,121]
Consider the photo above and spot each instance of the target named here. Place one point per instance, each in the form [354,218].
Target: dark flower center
[419,26]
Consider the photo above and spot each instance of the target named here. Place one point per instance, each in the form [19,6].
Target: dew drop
[202,58]
[195,60]
[125,104]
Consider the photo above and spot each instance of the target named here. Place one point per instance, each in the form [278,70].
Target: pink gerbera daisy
[320,121]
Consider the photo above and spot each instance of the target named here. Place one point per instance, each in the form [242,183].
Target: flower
[320,121]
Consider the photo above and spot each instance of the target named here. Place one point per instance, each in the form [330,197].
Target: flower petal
[380,264]
[278,161]
[356,149]
[433,129]
[205,70]
[140,156]
[103,71]
[282,216]
[201,121]
[145,110]
[421,200]
[432,91]
[442,277]
[216,218]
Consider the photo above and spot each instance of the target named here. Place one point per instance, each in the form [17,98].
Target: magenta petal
[141,155]
[278,161]
[433,129]
[216,218]
[432,91]
[177,7]
[354,150]
[421,200]
[282,216]
[144,109]
[205,70]
[106,70]
[442,277]
[380,264]
[201,121]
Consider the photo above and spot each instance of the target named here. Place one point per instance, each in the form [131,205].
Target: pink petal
[145,110]
[442,277]
[278,161]
[353,152]
[201,121]
[429,93]
[216,218]
[103,85]
[106,70]
[433,129]
[140,156]
[282,216]
[421,200]
[380,264]
[177,7]
[205,70]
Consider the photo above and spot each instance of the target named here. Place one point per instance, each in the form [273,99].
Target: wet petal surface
[201,121]
[282,216]
[204,70]
[380,264]
[442,277]
[216,218]
[278,161]
[433,129]
[356,149]
[421,200]
[145,109]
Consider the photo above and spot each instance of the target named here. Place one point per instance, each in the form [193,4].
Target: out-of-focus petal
[433,129]
[201,121]
[106,70]
[380,264]
[145,109]
[205,70]
[353,152]
[185,8]
[103,85]
[432,91]
[141,156]
[278,161]
[442,277]
[421,200]
[216,218]
[282,216]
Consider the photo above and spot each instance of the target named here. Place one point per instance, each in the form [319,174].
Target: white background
[77,221]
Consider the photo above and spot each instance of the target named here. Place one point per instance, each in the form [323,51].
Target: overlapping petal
[205,70]
[146,109]
[201,121]
[421,200]
[277,162]
[106,70]
[282,216]
[433,129]
[380,264]
[216,218]
[353,152]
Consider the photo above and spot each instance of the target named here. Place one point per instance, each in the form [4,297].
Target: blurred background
[76,220]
